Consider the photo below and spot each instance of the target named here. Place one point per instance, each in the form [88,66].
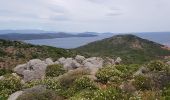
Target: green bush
[53,84]
[55,70]
[9,85]
[43,95]
[109,94]
[84,83]
[109,73]
[142,83]
[157,66]
[67,79]
[127,70]
[166,93]
[33,83]
[4,71]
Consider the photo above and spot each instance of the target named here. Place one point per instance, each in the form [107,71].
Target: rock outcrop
[168,62]
[93,63]
[49,61]
[15,95]
[35,69]
[141,71]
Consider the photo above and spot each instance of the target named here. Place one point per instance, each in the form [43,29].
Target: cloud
[86,15]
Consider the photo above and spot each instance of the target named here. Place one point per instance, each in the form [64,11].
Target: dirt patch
[166,47]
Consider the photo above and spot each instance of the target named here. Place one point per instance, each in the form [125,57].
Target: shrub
[109,94]
[4,71]
[4,94]
[127,70]
[42,95]
[142,83]
[84,83]
[150,95]
[53,84]
[106,74]
[9,85]
[166,93]
[67,79]
[55,70]
[33,83]
[157,66]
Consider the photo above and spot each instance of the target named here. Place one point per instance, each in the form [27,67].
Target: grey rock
[70,64]
[118,60]
[2,77]
[80,58]
[56,62]
[15,95]
[61,60]
[28,75]
[32,63]
[20,68]
[168,62]
[35,89]
[49,61]
[15,75]
[93,64]
[109,62]
[34,69]
[141,71]
[128,87]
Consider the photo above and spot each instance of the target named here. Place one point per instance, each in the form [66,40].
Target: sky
[86,15]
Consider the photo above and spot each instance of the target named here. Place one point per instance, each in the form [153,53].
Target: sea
[74,42]
[69,42]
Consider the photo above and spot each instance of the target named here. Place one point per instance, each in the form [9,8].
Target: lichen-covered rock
[109,61]
[168,62]
[61,60]
[141,71]
[80,58]
[2,77]
[118,60]
[33,62]
[56,62]
[15,95]
[49,61]
[20,68]
[39,92]
[28,75]
[127,87]
[34,69]
[70,64]
[15,75]
[93,64]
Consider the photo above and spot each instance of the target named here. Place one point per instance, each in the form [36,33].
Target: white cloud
[86,15]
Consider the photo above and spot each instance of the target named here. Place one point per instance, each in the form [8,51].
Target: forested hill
[131,48]
[14,52]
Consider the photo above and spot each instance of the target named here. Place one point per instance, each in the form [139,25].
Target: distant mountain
[32,36]
[131,48]
[25,31]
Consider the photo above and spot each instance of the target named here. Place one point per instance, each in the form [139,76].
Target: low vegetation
[77,85]
[140,77]
[55,70]
[132,49]
[13,53]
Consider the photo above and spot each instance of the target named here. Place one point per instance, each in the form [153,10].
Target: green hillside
[14,52]
[129,47]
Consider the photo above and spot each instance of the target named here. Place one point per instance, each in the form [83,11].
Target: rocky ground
[153,76]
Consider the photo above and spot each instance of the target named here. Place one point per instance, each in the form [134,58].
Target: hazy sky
[86,15]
